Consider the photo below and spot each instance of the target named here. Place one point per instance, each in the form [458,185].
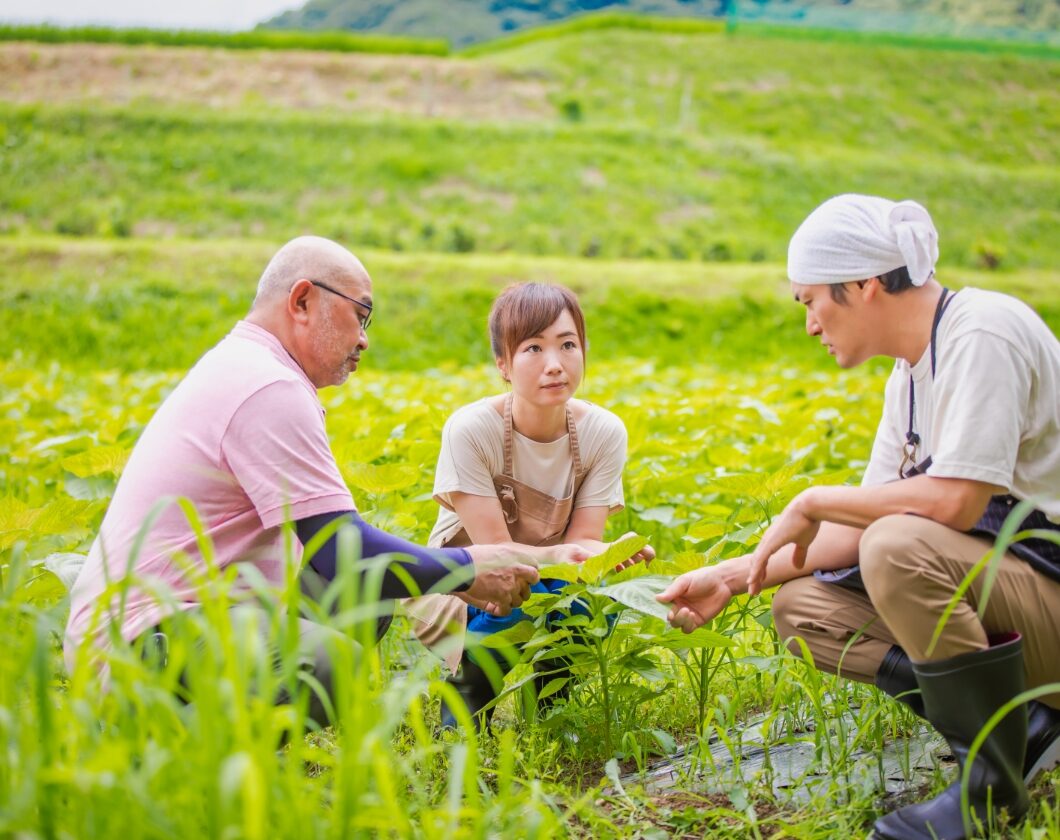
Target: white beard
[326,338]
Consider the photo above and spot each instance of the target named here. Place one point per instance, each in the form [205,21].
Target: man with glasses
[243,438]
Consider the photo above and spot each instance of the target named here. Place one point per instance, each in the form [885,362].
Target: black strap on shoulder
[911,437]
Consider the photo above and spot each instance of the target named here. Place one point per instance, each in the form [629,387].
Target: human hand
[696,597]
[645,555]
[563,553]
[792,526]
[503,576]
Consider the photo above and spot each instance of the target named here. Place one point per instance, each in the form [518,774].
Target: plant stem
[605,696]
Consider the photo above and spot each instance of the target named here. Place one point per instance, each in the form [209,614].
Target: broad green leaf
[639,594]
[43,588]
[560,571]
[748,485]
[552,686]
[614,775]
[405,521]
[666,743]
[777,481]
[65,566]
[92,488]
[546,639]
[689,561]
[701,638]
[705,529]
[97,461]
[764,411]
[573,649]
[382,478]
[595,568]
[61,515]
[516,635]
[60,440]
[663,514]
[15,514]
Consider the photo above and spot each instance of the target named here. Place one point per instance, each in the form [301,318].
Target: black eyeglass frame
[366,320]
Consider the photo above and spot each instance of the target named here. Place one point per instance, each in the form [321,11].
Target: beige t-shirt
[992,411]
[472,454]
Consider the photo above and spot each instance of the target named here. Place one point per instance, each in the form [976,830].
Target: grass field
[659,174]
[694,147]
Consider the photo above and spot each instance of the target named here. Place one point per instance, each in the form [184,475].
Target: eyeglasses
[364,320]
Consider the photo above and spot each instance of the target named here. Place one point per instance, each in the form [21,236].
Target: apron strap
[575,448]
[912,439]
[508,434]
[572,431]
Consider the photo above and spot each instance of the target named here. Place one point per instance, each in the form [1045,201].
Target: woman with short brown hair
[534,465]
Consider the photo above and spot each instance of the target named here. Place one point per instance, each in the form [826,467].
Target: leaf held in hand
[639,594]
[596,567]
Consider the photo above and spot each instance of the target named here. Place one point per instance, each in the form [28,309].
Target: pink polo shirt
[243,438]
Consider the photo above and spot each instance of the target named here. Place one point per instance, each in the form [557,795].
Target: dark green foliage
[464,22]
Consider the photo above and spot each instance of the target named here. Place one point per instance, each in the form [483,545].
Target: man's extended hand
[503,575]
[504,572]
[696,597]
[792,526]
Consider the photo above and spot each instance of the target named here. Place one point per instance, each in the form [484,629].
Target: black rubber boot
[897,679]
[960,695]
[475,688]
[1043,740]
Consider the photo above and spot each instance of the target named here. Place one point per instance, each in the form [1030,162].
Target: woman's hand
[696,597]
[564,553]
[645,555]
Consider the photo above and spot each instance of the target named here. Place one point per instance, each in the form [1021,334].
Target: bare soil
[269,79]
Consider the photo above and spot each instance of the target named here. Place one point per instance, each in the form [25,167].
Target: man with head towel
[970,435]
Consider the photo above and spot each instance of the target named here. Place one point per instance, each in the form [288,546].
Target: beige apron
[533,518]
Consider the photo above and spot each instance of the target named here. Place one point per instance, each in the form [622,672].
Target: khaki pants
[440,623]
[911,567]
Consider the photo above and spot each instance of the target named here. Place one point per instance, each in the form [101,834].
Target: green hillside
[657,166]
[464,22]
[631,145]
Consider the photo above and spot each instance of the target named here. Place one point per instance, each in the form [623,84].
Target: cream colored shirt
[472,454]
[991,413]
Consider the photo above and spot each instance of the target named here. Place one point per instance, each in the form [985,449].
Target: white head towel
[855,237]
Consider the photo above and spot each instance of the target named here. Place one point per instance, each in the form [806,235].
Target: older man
[242,437]
[971,426]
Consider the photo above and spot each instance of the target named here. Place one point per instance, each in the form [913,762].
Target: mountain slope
[464,22]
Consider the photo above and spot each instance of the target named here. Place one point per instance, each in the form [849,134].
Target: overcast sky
[183,14]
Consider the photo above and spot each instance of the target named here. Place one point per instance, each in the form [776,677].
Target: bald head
[310,258]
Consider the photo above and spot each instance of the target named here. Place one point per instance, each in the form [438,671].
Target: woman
[533,466]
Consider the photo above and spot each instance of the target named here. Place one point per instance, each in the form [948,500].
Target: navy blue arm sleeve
[427,566]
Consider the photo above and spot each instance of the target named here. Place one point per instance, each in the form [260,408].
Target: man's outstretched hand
[696,597]
[505,572]
[792,526]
